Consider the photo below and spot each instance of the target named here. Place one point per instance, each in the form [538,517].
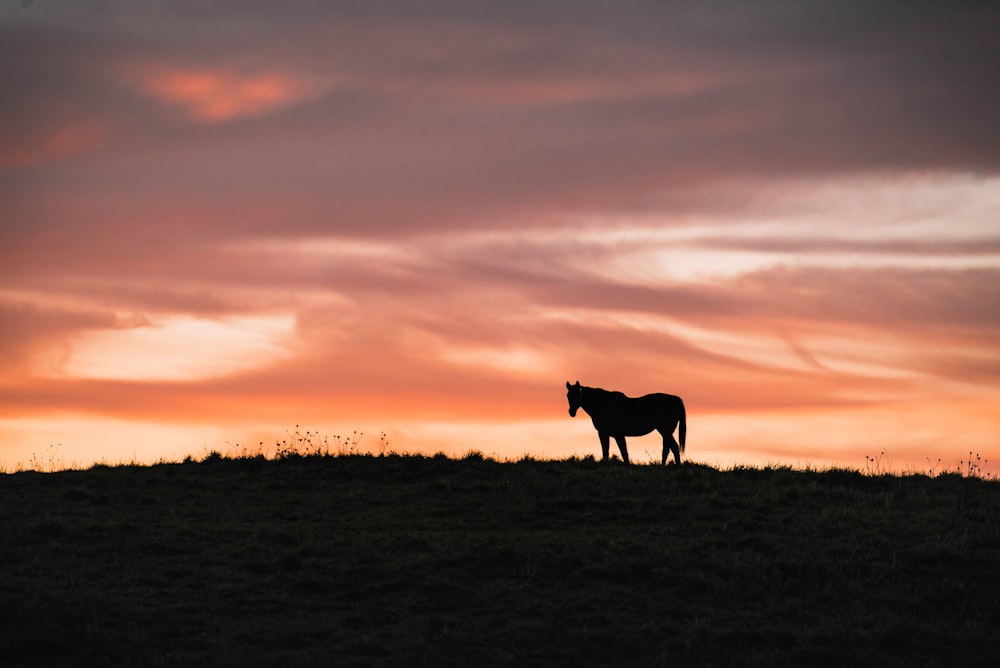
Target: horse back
[636,416]
[660,399]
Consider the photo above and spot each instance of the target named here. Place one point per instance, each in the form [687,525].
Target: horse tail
[682,433]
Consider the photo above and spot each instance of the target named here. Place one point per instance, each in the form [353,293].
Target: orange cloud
[150,352]
[48,143]
[215,96]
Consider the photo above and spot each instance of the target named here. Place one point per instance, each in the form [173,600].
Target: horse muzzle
[572,412]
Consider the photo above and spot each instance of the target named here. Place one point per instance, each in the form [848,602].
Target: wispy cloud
[56,142]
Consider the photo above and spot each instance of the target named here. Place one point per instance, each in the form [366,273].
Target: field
[405,560]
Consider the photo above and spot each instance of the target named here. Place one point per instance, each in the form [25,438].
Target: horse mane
[602,392]
[598,395]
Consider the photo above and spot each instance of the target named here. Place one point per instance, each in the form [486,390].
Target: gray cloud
[461,117]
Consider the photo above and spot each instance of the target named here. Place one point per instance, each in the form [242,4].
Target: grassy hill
[360,560]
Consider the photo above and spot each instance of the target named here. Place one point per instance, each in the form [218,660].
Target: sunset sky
[220,220]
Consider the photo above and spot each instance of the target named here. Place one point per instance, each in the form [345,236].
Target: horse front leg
[605,444]
[620,440]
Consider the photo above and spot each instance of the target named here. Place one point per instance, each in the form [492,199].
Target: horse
[616,416]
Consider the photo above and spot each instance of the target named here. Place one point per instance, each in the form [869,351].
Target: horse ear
[568,386]
[578,383]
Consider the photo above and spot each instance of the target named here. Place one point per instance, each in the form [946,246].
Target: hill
[361,560]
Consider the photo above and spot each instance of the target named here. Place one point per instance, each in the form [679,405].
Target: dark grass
[361,560]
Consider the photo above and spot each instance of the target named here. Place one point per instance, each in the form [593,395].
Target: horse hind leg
[670,445]
[620,440]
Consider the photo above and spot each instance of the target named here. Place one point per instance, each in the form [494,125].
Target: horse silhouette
[616,416]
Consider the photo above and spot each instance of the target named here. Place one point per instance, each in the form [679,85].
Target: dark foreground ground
[429,561]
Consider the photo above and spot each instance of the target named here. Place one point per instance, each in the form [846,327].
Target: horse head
[574,394]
